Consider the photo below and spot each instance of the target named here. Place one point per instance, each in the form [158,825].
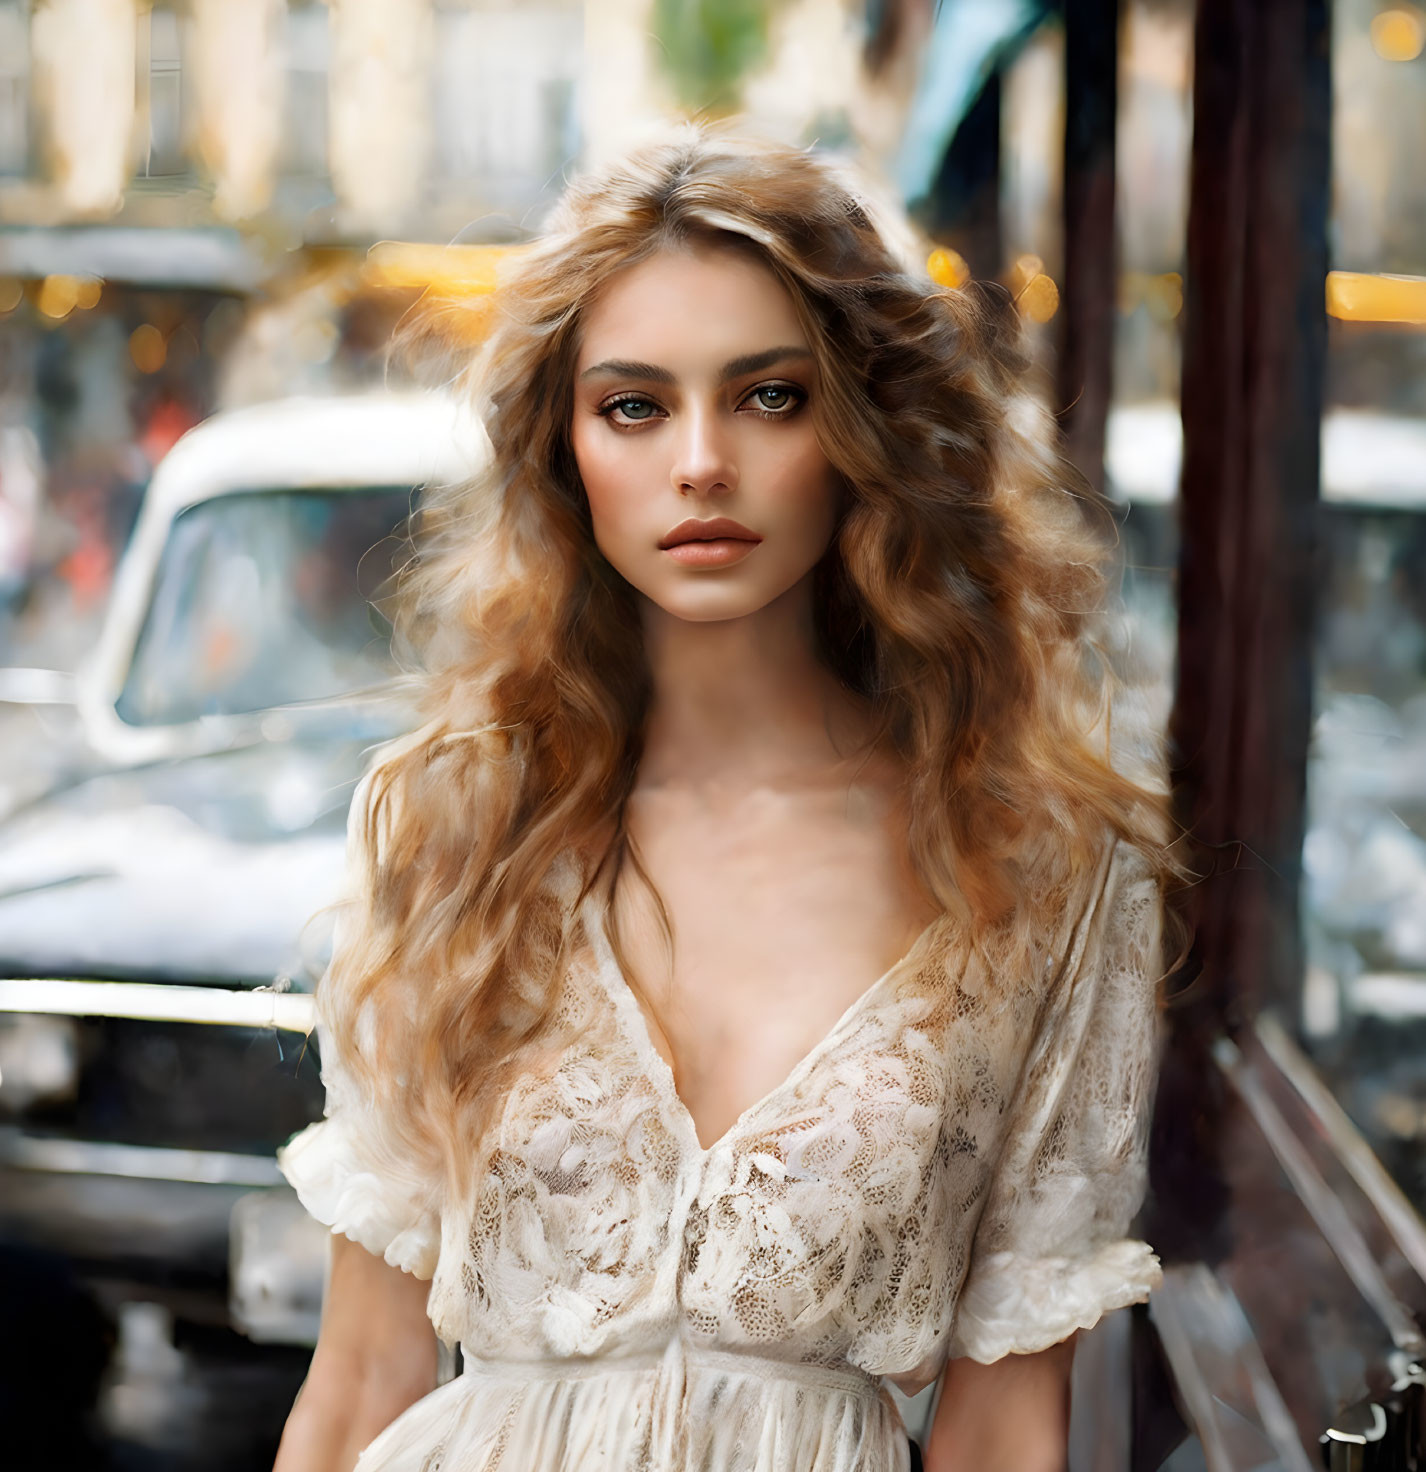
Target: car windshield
[261,600]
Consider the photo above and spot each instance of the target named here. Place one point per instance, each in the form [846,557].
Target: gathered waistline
[847,1379]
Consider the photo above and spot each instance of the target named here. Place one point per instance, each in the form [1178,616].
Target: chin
[709,604]
[707,610]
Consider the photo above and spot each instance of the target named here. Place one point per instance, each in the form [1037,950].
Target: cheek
[608,484]
[812,491]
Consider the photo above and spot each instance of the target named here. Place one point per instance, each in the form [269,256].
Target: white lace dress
[951,1171]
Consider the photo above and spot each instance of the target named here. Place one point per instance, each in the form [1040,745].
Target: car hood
[210,869]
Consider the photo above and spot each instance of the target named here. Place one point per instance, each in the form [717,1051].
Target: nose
[703,460]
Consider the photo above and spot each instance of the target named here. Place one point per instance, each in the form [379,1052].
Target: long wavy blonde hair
[961,597]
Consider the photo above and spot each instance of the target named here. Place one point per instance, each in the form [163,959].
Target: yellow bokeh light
[448,270]
[947,267]
[1023,270]
[1354,296]
[58,296]
[12,293]
[147,348]
[1399,34]
[87,293]
[1040,298]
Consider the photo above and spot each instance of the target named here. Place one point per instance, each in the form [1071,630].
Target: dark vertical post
[1254,350]
[1087,305]
[1255,340]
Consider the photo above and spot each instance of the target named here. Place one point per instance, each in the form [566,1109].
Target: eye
[775,400]
[632,409]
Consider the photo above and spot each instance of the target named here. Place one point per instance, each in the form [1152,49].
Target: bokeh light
[147,348]
[448,270]
[947,267]
[1040,299]
[1035,293]
[1355,296]
[1399,34]
[58,296]
[1023,270]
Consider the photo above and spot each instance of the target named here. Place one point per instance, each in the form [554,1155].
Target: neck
[746,702]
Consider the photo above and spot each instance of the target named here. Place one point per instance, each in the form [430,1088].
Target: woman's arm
[1012,1416]
[376,1354]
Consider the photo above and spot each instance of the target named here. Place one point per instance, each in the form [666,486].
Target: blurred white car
[156,957]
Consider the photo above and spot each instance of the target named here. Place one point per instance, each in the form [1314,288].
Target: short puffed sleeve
[349,1169]
[1052,1251]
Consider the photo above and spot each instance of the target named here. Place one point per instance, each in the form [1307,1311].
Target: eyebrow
[734,368]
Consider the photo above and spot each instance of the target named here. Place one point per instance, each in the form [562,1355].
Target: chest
[783,915]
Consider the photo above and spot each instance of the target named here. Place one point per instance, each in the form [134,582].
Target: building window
[163,94]
[14,88]
[304,133]
[505,82]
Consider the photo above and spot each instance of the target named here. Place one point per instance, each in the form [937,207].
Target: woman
[759,663]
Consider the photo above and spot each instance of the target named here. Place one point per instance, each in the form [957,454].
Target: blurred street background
[214,214]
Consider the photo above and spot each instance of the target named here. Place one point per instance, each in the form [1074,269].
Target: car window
[261,599]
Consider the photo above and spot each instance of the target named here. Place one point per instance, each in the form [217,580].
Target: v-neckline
[636,1026]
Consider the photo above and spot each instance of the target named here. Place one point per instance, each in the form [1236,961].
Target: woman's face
[692,399]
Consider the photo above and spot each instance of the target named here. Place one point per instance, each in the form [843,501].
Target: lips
[708,531]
